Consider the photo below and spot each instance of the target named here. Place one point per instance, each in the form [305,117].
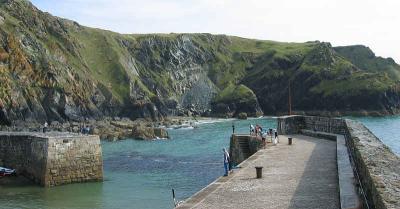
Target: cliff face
[56,69]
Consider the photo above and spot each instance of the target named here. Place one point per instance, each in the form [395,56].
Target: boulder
[161,133]
[242,116]
[145,133]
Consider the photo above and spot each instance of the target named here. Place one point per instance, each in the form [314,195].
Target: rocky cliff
[56,69]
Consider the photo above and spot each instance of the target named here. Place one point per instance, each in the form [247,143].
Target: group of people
[85,129]
[257,131]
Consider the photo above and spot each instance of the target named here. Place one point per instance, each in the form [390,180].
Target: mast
[290,101]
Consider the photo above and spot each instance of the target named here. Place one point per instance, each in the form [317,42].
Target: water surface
[141,174]
[387,129]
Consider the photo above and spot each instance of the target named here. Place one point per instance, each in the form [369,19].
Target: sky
[374,23]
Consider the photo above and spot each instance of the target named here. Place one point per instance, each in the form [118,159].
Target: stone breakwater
[376,166]
[53,158]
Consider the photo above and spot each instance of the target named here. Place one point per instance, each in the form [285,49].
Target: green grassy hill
[56,69]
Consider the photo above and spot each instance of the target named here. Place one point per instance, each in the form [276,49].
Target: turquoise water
[385,128]
[141,174]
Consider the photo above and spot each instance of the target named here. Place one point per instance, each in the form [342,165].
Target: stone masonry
[243,146]
[53,158]
[377,167]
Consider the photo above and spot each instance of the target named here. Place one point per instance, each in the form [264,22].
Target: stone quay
[53,158]
[331,163]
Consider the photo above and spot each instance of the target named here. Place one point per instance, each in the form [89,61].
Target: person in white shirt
[276,136]
[251,129]
[45,127]
[264,137]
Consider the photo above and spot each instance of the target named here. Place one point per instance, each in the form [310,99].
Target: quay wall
[52,159]
[25,154]
[294,124]
[242,146]
[375,165]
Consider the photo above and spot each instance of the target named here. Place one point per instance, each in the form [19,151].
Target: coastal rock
[4,120]
[234,100]
[156,76]
[145,133]
[161,133]
[242,116]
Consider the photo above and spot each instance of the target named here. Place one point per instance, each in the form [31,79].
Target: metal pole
[173,197]
[290,101]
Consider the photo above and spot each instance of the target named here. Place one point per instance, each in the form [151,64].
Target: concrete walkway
[303,175]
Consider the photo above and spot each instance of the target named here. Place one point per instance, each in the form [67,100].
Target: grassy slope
[236,63]
[101,54]
[373,74]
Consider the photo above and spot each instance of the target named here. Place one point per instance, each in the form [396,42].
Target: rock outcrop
[145,133]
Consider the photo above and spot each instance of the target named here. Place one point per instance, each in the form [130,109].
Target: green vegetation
[41,52]
[102,56]
[358,83]
[237,94]
[365,59]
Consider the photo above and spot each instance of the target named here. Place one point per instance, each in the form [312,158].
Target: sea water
[141,174]
[387,129]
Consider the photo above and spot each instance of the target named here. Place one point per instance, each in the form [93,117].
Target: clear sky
[374,23]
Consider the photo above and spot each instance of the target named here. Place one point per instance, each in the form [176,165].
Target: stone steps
[244,146]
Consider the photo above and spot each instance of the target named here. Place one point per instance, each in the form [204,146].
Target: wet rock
[145,133]
[161,133]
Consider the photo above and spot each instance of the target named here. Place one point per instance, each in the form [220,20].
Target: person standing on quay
[45,127]
[251,129]
[276,135]
[226,161]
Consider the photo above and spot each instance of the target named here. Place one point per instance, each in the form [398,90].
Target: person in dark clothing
[226,161]
[45,127]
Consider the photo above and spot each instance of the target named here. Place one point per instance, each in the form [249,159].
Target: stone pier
[53,158]
[332,163]
[303,175]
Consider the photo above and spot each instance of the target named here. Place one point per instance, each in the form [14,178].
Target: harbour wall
[242,146]
[52,159]
[375,165]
